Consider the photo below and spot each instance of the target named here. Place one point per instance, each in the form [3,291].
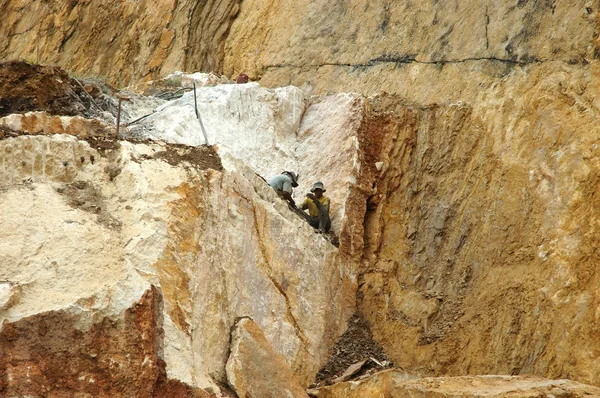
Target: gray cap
[293,176]
[318,185]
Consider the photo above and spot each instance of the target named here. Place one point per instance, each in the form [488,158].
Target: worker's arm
[318,202]
[304,205]
[288,196]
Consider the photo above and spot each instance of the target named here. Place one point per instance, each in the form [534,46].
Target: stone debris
[177,83]
[254,369]
[355,354]
[25,87]
[351,371]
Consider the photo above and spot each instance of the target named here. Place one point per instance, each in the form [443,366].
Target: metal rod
[138,119]
[119,116]
[167,94]
[88,94]
[196,102]
[198,116]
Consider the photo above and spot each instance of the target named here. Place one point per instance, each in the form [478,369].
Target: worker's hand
[311,196]
[288,196]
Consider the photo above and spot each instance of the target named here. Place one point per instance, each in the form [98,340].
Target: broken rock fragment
[255,369]
[8,295]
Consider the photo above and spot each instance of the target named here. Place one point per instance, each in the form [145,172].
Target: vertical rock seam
[209,26]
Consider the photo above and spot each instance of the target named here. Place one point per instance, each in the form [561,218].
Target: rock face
[139,40]
[112,219]
[254,369]
[483,230]
[468,196]
[421,186]
[272,130]
[51,353]
[434,183]
[258,125]
[332,148]
[340,47]
[394,383]
[405,47]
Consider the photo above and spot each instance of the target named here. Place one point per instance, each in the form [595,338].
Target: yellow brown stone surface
[483,229]
[123,41]
[398,384]
[472,213]
[371,46]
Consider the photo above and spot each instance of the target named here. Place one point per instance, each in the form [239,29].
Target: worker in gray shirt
[283,184]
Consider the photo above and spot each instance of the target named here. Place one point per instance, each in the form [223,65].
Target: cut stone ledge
[255,369]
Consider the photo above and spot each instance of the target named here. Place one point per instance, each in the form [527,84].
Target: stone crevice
[266,263]
[487,25]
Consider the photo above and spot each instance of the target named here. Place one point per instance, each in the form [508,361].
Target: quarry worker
[283,184]
[318,208]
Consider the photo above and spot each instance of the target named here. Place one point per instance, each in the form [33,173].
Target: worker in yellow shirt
[317,205]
